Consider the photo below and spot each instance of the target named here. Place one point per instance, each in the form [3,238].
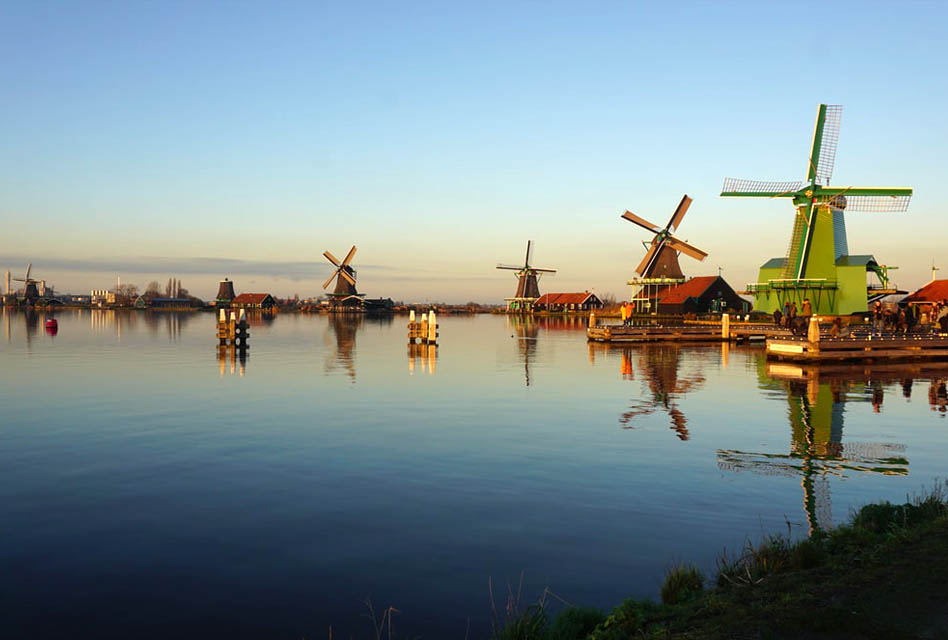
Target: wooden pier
[724,331]
[886,346]
[424,331]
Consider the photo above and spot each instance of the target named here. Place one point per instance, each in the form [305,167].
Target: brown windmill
[30,292]
[661,259]
[344,274]
[528,287]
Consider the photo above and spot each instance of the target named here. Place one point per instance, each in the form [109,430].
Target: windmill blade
[28,269]
[875,204]
[642,222]
[651,253]
[331,258]
[738,187]
[347,277]
[349,255]
[687,249]
[326,284]
[679,213]
[529,256]
[542,270]
[825,138]
[509,266]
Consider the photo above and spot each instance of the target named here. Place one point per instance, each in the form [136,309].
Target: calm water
[148,485]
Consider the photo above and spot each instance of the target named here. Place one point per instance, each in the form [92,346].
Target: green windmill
[818,265]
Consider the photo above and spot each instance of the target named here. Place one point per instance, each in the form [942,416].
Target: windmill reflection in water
[342,336]
[664,382]
[816,400]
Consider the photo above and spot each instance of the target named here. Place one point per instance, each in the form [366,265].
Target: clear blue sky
[154,139]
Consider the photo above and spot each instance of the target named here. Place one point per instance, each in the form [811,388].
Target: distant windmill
[661,259]
[528,287]
[30,292]
[344,274]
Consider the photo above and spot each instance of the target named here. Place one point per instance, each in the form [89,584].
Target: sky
[203,140]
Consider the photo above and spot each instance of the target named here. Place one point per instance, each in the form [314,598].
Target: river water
[151,486]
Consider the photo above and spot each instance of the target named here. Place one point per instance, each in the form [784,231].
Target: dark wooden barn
[704,294]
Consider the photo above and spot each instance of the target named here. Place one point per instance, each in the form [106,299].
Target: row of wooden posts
[425,330]
[233,330]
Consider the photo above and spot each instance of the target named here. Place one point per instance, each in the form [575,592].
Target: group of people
[625,309]
[788,318]
[907,318]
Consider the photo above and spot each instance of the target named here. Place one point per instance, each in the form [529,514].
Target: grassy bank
[882,575]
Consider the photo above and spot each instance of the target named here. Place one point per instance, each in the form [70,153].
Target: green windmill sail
[818,265]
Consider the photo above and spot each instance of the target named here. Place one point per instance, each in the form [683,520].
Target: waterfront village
[818,288]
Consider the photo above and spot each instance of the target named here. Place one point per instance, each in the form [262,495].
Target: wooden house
[253,301]
[585,301]
[704,294]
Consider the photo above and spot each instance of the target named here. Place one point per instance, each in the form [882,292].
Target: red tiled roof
[691,289]
[931,292]
[563,298]
[250,298]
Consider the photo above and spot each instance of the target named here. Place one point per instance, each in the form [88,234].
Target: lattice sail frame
[825,141]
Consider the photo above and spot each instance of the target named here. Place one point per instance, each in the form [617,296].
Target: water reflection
[342,330]
[173,322]
[525,329]
[816,398]
[231,354]
[663,382]
[427,353]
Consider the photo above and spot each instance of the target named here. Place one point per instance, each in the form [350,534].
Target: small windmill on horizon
[345,293]
[528,285]
[30,291]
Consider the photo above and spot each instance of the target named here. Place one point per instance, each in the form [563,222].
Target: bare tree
[153,290]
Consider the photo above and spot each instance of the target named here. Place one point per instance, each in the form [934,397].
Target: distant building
[162,303]
[253,301]
[102,297]
[704,294]
[584,301]
[934,291]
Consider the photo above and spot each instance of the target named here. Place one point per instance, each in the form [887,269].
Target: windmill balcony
[791,283]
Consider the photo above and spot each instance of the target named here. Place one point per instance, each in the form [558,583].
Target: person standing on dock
[877,317]
[622,313]
[786,314]
[778,317]
[807,309]
[628,313]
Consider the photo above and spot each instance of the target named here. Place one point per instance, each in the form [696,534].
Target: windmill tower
[818,265]
[659,269]
[30,292]
[225,292]
[528,286]
[345,293]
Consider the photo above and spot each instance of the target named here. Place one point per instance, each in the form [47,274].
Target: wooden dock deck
[692,332]
[866,346]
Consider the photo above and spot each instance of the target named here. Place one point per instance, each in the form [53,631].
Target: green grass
[883,575]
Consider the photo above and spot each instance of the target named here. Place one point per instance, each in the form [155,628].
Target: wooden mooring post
[233,331]
[424,331]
